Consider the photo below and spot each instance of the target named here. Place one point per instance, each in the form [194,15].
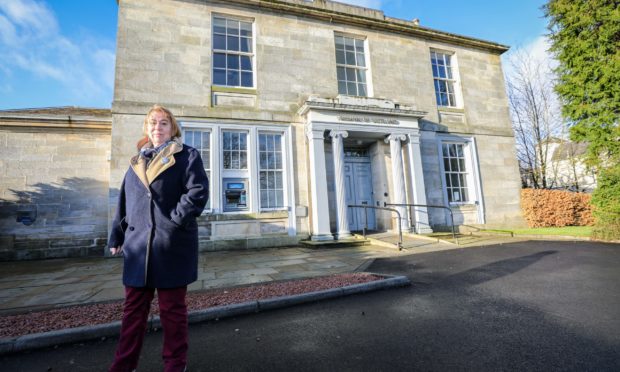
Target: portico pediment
[361,113]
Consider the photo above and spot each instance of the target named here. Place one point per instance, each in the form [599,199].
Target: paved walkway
[32,285]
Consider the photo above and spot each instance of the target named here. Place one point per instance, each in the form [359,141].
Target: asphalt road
[543,306]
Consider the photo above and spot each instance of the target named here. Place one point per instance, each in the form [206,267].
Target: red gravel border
[92,314]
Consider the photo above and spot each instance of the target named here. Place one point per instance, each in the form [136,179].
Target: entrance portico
[363,120]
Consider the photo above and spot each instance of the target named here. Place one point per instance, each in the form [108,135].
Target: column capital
[338,133]
[414,138]
[395,137]
[315,134]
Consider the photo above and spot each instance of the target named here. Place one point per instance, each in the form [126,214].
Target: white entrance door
[358,184]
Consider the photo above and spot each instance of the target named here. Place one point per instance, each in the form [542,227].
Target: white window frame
[218,173]
[207,164]
[251,54]
[473,178]
[366,67]
[282,168]
[455,80]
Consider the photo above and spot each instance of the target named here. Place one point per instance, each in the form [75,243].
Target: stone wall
[53,169]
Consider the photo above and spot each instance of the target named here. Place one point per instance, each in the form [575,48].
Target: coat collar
[148,171]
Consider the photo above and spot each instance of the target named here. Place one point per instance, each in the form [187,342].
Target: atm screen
[236,186]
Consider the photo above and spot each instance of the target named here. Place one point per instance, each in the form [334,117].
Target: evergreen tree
[585,36]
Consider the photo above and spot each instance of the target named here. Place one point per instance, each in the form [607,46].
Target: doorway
[358,185]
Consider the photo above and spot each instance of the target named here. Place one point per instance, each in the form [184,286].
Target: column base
[345,235]
[322,237]
[424,230]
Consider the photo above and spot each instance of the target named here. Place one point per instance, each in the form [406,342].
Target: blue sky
[61,52]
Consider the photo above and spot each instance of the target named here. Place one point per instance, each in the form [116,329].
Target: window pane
[463,180]
[359,45]
[361,76]
[246,29]
[446,164]
[445,150]
[234,141]
[278,160]
[232,61]
[269,143]
[459,150]
[219,25]
[243,141]
[227,163]
[350,58]
[361,60]
[340,73]
[339,42]
[452,150]
[362,90]
[272,198]
[234,160]
[264,199]
[263,160]
[454,179]
[232,27]
[351,72]
[462,165]
[352,89]
[246,79]
[279,184]
[189,138]
[454,165]
[448,183]
[219,60]
[278,142]
[232,43]
[243,159]
[245,44]
[279,199]
[340,57]
[262,142]
[348,44]
[232,78]
[246,63]
[271,161]
[263,180]
[219,42]
[226,140]
[206,136]
[219,77]
[342,87]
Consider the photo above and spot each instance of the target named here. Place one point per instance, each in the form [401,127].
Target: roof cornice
[368,18]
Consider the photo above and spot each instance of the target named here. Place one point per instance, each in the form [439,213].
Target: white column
[341,196]
[422,225]
[399,195]
[318,184]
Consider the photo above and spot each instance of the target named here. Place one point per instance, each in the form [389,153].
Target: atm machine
[235,194]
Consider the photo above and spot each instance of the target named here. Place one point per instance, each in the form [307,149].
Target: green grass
[566,230]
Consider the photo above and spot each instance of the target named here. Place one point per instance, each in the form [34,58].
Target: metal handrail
[400,232]
[428,206]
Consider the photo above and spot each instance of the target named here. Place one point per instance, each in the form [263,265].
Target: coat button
[148,194]
[131,228]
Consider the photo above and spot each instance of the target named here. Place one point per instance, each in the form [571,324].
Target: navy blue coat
[155,220]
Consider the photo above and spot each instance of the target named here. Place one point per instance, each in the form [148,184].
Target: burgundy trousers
[173,315]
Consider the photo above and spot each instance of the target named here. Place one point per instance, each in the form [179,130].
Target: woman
[164,190]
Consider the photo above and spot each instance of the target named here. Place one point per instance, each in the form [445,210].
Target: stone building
[302,108]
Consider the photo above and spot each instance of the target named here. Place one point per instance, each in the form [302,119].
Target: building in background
[567,168]
[54,181]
